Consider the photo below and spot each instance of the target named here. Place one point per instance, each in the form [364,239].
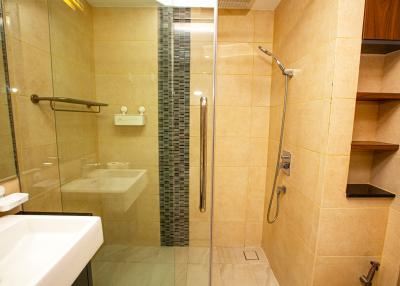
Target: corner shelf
[377,96]
[373,146]
[379,46]
[366,191]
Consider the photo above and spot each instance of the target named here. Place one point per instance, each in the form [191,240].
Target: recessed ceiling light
[194,27]
[189,3]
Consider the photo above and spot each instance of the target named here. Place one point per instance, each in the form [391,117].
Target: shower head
[278,62]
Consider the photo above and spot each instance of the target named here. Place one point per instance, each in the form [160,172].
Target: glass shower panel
[137,163]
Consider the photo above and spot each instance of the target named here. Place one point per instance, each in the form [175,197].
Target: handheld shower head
[278,62]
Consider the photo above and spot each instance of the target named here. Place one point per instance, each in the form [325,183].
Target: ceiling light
[194,27]
[188,3]
[73,4]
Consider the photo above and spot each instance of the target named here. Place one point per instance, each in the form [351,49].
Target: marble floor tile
[199,255]
[181,254]
[120,265]
[124,274]
[181,270]
[198,275]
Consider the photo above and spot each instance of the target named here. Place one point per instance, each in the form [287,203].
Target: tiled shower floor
[121,265]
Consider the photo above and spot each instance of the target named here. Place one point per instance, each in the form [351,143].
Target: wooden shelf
[374,146]
[379,46]
[377,96]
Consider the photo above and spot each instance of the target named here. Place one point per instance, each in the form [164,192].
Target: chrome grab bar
[203,153]
[36,99]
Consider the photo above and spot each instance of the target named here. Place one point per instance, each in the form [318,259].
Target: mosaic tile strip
[173,123]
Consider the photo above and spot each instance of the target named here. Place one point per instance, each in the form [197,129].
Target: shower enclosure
[143,161]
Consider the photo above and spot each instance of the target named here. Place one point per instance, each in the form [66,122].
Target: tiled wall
[319,233]
[125,54]
[242,113]
[351,232]
[304,39]
[386,169]
[380,121]
[7,165]
[71,40]
[28,48]
[46,42]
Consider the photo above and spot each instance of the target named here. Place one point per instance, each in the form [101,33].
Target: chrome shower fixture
[285,71]
[284,156]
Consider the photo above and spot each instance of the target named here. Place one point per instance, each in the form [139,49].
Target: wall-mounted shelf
[379,46]
[377,96]
[373,146]
[366,191]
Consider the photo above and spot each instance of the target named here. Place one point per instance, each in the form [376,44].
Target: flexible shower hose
[277,167]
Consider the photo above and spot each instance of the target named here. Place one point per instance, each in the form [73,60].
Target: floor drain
[250,255]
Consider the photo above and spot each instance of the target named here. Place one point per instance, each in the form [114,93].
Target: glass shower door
[143,163]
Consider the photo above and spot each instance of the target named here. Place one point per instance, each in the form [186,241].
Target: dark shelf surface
[366,191]
[377,96]
[374,146]
[379,46]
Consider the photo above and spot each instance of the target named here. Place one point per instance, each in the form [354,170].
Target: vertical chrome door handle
[203,153]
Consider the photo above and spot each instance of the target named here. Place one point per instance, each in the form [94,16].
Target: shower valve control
[286,160]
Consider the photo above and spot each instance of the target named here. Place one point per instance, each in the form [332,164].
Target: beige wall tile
[125,24]
[117,57]
[389,272]
[235,58]
[359,239]
[233,121]
[235,26]
[30,71]
[201,58]
[28,22]
[231,191]
[263,26]
[350,269]
[229,234]
[253,234]
[350,18]
[341,126]
[318,133]
[257,178]
[258,152]
[234,90]
[259,122]
[261,86]
[346,67]
[232,151]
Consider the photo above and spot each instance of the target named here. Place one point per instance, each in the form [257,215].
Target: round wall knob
[124,109]
[141,110]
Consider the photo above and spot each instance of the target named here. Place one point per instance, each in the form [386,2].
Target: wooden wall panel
[382,20]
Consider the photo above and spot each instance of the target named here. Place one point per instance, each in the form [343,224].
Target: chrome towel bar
[89,104]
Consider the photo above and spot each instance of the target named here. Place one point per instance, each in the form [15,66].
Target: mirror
[7,157]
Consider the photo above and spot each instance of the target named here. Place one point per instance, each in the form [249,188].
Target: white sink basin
[117,188]
[46,250]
